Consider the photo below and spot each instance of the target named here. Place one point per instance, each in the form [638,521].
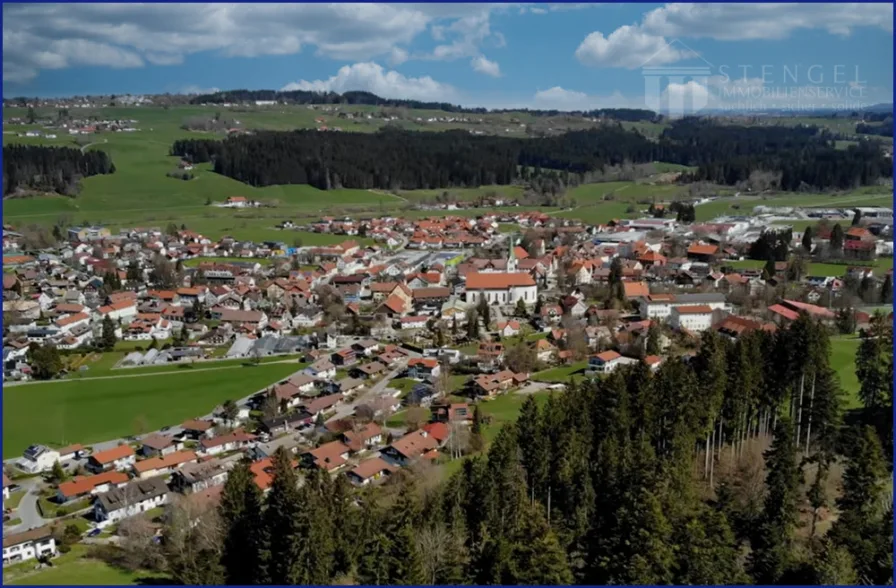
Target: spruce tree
[771,556]
[537,557]
[807,240]
[285,520]
[477,441]
[534,448]
[404,565]
[245,543]
[108,337]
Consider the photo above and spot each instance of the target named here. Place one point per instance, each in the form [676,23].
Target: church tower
[511,257]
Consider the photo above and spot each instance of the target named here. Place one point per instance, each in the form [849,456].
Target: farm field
[835,270]
[88,411]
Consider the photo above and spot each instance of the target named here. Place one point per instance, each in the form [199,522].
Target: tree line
[598,485]
[50,169]
[883,129]
[370,99]
[801,158]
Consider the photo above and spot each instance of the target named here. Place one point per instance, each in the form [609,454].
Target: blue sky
[566,56]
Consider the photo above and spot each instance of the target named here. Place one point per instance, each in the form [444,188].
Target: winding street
[27,510]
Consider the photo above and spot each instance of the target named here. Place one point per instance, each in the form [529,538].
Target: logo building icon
[688,84]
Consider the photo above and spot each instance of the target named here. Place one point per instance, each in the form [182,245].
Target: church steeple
[511,257]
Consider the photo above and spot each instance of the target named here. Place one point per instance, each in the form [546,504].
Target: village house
[421,367]
[119,458]
[500,288]
[32,544]
[608,361]
[322,369]
[509,328]
[164,465]
[492,384]
[38,458]
[408,449]
[370,471]
[197,429]
[195,477]
[81,486]
[328,457]
[157,445]
[363,437]
[233,441]
[131,499]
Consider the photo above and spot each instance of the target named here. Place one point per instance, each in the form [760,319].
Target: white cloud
[558,98]
[485,66]
[765,20]
[397,56]
[194,89]
[55,36]
[372,77]
[629,47]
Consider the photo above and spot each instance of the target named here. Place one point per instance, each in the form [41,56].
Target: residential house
[408,449]
[509,328]
[157,445]
[36,543]
[292,421]
[131,499]
[344,357]
[38,458]
[451,412]
[198,429]
[414,322]
[322,369]
[608,361]
[368,370]
[195,477]
[233,441]
[81,486]
[366,347]
[364,437]
[490,352]
[119,458]
[371,470]
[328,457]
[703,252]
[163,465]
[423,367]
[492,384]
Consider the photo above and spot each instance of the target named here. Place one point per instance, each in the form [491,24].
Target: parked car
[94,532]
[165,428]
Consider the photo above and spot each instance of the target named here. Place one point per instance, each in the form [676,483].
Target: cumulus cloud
[558,98]
[485,66]
[397,56]
[765,20]
[54,36]
[629,47]
[372,77]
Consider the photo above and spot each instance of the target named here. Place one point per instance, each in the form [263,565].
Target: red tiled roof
[110,455]
[84,484]
[166,461]
[497,281]
[695,309]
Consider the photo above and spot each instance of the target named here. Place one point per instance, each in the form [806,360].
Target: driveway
[27,510]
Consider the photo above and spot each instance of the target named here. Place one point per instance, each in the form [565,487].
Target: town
[431,319]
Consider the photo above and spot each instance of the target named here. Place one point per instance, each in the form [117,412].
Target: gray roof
[132,493]
[699,298]
[240,347]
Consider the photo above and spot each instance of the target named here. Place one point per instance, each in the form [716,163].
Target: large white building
[31,544]
[501,288]
[659,306]
[693,318]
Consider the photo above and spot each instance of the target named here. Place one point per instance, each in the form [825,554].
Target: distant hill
[370,99]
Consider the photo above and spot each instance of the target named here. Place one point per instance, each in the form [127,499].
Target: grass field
[560,374]
[75,568]
[818,269]
[843,361]
[14,499]
[88,411]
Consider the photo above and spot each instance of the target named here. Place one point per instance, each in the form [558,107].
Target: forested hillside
[50,169]
[800,158]
[610,482]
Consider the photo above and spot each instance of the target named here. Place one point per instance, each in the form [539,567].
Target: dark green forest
[801,158]
[50,169]
[612,482]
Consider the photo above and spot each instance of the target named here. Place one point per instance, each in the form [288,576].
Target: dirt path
[381,193]
[84,147]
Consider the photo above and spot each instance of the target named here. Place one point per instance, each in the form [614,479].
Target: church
[502,288]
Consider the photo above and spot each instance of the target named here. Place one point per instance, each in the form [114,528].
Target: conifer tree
[772,556]
[537,557]
[245,544]
[285,521]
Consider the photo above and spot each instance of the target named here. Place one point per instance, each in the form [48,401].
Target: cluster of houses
[429,278]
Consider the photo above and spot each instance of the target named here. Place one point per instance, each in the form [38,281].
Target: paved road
[27,510]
